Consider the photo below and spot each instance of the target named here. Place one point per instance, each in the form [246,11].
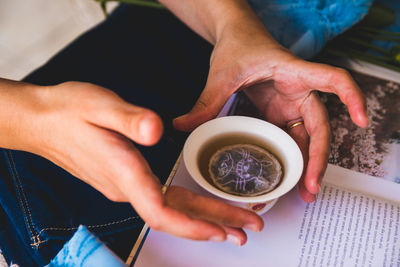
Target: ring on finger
[164,189]
[295,124]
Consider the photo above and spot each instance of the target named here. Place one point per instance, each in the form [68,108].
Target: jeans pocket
[53,204]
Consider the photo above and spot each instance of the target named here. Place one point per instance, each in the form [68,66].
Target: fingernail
[363,119]
[319,183]
[367,120]
[234,240]
[318,188]
[217,238]
[179,117]
[175,119]
[252,227]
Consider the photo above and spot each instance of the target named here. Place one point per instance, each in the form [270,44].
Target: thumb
[139,124]
[207,107]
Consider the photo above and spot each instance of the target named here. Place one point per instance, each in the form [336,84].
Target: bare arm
[246,57]
[87,130]
[19,102]
[211,18]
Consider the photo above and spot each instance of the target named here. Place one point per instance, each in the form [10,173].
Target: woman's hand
[283,87]
[88,131]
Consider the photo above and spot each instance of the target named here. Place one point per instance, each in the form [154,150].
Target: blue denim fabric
[85,250]
[150,59]
[305,26]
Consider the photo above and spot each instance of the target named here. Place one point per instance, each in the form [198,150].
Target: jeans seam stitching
[14,173]
[36,238]
[89,227]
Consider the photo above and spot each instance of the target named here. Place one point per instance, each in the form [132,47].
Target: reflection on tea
[245,170]
[240,164]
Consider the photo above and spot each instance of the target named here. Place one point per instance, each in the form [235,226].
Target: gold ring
[164,189]
[297,123]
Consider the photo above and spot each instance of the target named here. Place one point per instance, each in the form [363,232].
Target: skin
[282,86]
[79,120]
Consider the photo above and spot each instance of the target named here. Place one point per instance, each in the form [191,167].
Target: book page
[342,228]
[345,228]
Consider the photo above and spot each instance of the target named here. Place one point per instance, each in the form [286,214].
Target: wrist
[19,124]
[212,19]
[246,27]
[243,25]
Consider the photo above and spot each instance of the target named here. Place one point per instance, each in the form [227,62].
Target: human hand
[89,131]
[282,86]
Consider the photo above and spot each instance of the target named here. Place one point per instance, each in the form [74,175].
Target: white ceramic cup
[241,129]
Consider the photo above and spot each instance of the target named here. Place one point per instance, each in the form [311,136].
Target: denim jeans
[150,59]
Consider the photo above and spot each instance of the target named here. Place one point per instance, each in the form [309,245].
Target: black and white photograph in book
[373,150]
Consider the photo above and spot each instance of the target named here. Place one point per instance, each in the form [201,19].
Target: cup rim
[247,125]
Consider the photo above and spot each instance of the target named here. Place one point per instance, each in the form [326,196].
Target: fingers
[204,208]
[179,212]
[151,206]
[304,193]
[335,80]
[137,185]
[186,214]
[176,212]
[138,124]
[207,107]
[235,235]
[300,135]
[179,224]
[122,174]
[317,125]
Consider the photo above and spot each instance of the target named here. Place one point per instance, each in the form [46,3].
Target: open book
[355,221]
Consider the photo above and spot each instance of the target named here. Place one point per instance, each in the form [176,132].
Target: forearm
[212,19]
[19,102]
